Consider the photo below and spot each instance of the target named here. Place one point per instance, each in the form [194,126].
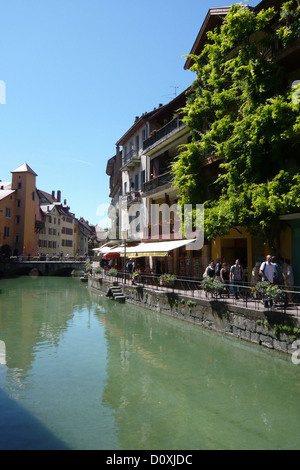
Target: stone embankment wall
[270,329]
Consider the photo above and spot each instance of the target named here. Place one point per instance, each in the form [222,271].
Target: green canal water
[81,371]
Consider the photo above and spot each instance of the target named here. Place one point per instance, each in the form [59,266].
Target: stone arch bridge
[41,268]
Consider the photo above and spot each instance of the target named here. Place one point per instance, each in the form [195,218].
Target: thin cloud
[82,161]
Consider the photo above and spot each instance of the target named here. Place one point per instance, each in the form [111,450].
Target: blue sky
[77,72]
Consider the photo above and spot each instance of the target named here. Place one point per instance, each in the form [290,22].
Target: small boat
[84,278]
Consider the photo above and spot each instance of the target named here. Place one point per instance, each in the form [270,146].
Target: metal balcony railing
[158,181]
[130,157]
[163,132]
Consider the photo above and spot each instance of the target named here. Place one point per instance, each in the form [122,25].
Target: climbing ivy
[242,117]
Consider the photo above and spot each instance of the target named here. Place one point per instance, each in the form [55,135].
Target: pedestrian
[289,278]
[267,273]
[236,277]
[255,273]
[130,266]
[210,270]
[218,269]
[225,275]
[267,270]
[277,276]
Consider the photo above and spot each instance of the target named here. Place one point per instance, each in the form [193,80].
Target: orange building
[7,221]
[17,213]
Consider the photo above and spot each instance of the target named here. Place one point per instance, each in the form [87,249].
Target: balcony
[161,231]
[130,160]
[171,128]
[131,198]
[155,183]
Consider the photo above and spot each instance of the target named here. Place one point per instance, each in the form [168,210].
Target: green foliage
[211,285]
[112,272]
[289,330]
[290,19]
[240,117]
[166,279]
[267,291]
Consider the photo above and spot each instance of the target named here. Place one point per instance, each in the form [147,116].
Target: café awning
[153,248]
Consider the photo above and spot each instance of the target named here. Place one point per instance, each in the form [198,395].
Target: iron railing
[237,294]
[173,125]
[157,182]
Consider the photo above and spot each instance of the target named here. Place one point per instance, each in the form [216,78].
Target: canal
[80,371]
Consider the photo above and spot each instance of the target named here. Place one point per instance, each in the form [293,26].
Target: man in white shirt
[267,270]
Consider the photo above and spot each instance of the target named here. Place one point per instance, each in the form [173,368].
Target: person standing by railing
[277,276]
[225,275]
[266,271]
[210,270]
[236,277]
[289,278]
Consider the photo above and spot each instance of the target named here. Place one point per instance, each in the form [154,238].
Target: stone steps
[116,293]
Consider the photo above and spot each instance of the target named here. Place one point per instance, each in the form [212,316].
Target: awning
[104,249]
[111,255]
[152,248]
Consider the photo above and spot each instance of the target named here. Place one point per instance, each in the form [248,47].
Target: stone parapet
[270,329]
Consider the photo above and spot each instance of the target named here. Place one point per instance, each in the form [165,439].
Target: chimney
[65,202]
[58,196]
[53,194]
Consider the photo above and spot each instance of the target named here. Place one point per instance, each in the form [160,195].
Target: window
[19,185]
[17,238]
[6,232]
[136,182]
[18,219]
[18,202]
[33,195]
[67,242]
[7,212]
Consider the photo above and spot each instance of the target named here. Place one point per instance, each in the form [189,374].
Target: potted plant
[112,272]
[136,275]
[265,291]
[212,286]
[98,270]
[167,279]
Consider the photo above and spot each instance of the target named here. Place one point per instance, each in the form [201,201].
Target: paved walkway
[292,309]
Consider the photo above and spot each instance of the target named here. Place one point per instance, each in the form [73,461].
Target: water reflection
[97,374]
[36,312]
[180,388]
[2,352]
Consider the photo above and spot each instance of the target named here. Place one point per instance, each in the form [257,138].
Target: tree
[241,115]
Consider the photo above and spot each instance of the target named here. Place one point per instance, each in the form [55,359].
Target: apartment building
[147,203]
[152,143]
[133,169]
[58,236]
[49,235]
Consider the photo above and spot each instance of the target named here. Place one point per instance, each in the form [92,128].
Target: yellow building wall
[232,245]
[7,202]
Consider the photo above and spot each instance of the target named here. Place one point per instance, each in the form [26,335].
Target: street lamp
[124,235]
